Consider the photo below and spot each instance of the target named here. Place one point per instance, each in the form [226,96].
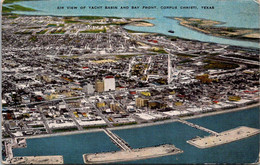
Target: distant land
[12,1]
[209,27]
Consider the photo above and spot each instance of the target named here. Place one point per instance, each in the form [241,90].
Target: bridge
[117,140]
[198,127]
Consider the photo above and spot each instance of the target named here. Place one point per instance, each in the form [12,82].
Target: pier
[224,137]
[13,143]
[198,127]
[53,159]
[8,151]
[117,140]
[127,153]
[135,154]
[21,143]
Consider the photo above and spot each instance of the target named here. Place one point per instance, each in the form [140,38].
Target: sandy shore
[141,24]
[141,19]
[185,23]
[147,124]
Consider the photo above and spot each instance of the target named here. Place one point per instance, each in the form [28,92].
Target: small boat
[171,31]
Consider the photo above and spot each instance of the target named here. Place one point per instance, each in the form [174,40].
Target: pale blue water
[242,151]
[235,13]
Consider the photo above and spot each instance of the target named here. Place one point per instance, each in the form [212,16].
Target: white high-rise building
[88,89]
[109,83]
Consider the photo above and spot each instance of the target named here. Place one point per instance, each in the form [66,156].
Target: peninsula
[209,27]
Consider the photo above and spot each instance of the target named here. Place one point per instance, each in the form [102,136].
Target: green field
[95,126]
[58,32]
[12,8]
[51,25]
[90,17]
[71,21]
[185,61]
[95,31]
[37,126]
[186,55]
[12,1]
[21,8]
[25,32]
[108,24]
[64,130]
[6,9]
[121,124]
[161,50]
[42,32]
[211,64]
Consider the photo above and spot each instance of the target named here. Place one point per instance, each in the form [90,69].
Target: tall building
[88,89]
[114,106]
[109,83]
[99,86]
[140,102]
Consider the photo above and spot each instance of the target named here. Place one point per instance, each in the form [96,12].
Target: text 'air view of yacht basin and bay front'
[74,76]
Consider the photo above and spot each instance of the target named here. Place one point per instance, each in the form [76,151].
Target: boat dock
[117,140]
[198,127]
[224,137]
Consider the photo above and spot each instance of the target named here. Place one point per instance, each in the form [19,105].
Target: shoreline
[127,26]
[146,124]
[141,24]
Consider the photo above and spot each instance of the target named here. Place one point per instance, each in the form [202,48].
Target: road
[100,113]
[44,119]
[72,116]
